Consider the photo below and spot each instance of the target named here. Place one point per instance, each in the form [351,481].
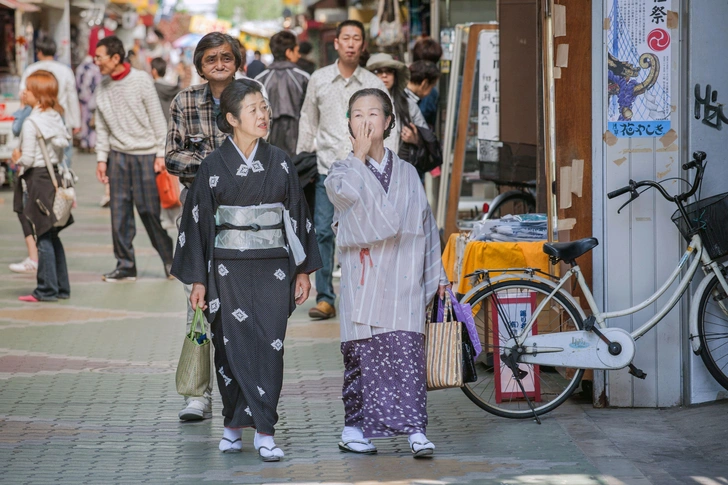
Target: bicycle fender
[694,309]
[579,349]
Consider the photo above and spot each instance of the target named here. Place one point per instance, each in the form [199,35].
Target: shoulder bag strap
[380,10]
[44,150]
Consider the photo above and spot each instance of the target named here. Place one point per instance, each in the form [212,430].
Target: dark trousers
[132,182]
[52,270]
[323,217]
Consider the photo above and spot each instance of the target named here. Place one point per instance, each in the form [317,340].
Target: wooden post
[574,119]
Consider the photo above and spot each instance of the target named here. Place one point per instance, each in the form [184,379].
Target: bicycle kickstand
[519,374]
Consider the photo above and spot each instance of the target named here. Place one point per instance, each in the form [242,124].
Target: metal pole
[447,141]
[435,20]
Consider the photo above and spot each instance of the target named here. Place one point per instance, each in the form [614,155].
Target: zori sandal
[425,449]
[231,446]
[370,450]
[270,454]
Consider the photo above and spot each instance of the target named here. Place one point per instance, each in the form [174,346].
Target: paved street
[87,396]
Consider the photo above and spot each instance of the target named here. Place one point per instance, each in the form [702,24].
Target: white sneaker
[26,266]
[196,411]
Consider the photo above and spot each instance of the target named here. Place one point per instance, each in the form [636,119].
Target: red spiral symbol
[658,40]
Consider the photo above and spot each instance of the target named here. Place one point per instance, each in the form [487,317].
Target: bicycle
[537,341]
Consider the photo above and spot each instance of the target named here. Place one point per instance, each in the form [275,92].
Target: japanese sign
[638,68]
[514,312]
[488,92]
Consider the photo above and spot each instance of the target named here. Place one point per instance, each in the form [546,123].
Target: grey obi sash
[257,227]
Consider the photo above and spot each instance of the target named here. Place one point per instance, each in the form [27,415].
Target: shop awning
[17,5]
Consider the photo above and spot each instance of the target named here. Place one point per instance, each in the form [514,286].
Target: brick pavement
[88,397]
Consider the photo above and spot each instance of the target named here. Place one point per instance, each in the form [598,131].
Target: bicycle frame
[700,256]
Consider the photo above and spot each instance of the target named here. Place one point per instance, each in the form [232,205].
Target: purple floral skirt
[385,388]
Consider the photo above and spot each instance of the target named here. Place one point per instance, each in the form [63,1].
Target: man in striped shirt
[130,130]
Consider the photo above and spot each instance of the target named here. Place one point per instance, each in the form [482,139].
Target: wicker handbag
[193,370]
[444,347]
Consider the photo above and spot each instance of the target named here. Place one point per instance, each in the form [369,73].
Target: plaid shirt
[193,133]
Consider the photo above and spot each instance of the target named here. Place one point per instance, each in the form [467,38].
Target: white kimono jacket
[389,249]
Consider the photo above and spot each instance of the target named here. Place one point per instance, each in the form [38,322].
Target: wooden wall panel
[574,117]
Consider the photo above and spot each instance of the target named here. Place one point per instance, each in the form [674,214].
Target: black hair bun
[223,125]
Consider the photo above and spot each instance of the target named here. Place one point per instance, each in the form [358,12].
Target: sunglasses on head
[384,70]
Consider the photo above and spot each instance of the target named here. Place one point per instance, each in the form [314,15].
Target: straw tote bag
[444,347]
[193,370]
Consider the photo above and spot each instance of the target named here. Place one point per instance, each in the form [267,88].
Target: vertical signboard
[514,313]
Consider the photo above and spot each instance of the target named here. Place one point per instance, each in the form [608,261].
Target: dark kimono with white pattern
[250,293]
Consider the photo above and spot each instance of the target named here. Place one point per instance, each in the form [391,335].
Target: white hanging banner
[488,92]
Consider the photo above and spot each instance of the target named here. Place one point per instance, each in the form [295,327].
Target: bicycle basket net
[709,217]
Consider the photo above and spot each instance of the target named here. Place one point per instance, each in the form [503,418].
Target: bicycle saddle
[569,251]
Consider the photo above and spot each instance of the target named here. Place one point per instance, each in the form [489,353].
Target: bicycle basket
[709,217]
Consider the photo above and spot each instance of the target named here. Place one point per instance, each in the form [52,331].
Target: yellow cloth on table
[493,255]
[448,257]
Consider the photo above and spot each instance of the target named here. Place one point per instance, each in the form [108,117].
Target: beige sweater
[129,117]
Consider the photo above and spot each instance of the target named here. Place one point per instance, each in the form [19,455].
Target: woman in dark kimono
[247,246]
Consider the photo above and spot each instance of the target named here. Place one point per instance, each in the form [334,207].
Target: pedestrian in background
[256,66]
[193,135]
[46,122]
[88,77]
[246,246]
[165,91]
[45,49]
[395,75]
[286,86]
[305,63]
[130,151]
[428,49]
[422,80]
[322,129]
[389,249]
[29,265]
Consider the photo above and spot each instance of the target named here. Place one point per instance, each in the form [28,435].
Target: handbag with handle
[65,194]
[168,188]
[444,347]
[389,33]
[193,370]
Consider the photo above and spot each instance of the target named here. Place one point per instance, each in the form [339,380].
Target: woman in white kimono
[389,249]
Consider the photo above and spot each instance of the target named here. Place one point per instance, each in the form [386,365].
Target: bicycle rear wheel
[496,390]
[713,330]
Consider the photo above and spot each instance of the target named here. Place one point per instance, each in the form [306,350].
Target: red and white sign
[518,311]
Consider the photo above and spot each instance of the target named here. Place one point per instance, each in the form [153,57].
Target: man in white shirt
[45,49]
[323,129]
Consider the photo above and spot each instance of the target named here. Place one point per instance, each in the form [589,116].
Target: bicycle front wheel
[511,303]
[713,330]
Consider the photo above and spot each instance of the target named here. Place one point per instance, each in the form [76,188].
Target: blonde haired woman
[46,122]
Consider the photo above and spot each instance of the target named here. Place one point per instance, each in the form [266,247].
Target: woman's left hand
[441,290]
[16,155]
[303,287]
[409,134]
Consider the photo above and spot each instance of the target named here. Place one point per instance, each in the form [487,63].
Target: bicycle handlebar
[697,162]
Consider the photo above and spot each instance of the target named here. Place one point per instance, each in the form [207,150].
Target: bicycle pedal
[638,373]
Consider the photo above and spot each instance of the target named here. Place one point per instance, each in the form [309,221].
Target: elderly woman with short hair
[389,249]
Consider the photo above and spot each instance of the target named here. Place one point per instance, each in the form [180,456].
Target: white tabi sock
[421,442]
[266,441]
[231,440]
[351,435]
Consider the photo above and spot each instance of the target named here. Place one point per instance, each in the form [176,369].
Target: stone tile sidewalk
[87,396]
